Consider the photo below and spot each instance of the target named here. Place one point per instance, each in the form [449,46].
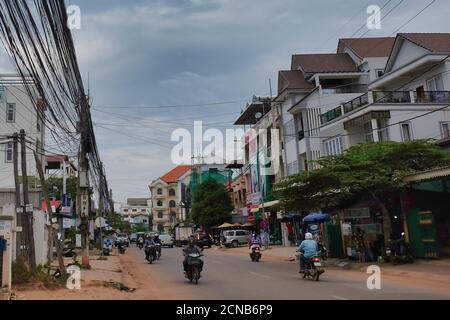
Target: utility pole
[26,201]
[19,208]
[100,212]
[52,236]
[83,194]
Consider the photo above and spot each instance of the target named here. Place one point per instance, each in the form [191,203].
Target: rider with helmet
[191,248]
[309,249]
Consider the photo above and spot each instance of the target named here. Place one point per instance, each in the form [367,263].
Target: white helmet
[308,236]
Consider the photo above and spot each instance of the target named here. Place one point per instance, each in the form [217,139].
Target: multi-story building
[18,112]
[335,79]
[137,211]
[408,102]
[167,195]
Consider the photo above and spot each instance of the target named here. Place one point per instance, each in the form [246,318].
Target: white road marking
[260,275]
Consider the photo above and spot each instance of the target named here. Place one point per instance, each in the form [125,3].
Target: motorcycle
[140,244]
[398,251]
[193,271]
[313,268]
[69,253]
[150,253]
[255,253]
[158,250]
[121,248]
[323,251]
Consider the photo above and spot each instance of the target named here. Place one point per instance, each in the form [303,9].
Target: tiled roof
[292,79]
[368,47]
[323,63]
[175,174]
[435,42]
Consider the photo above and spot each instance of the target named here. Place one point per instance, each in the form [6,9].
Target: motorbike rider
[255,240]
[309,249]
[148,243]
[191,248]
[140,240]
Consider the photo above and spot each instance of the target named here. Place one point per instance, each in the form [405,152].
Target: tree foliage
[212,204]
[373,169]
[55,187]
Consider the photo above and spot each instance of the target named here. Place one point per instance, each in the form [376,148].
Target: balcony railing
[391,97]
[433,97]
[356,103]
[388,97]
[351,88]
[331,115]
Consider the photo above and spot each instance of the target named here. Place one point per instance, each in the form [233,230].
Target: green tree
[212,204]
[55,187]
[376,170]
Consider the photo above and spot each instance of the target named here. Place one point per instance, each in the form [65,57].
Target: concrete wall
[25,118]
[407,53]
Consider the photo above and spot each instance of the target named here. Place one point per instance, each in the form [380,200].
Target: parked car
[234,238]
[203,239]
[133,238]
[123,239]
[166,240]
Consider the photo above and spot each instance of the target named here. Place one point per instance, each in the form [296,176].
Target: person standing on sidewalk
[358,237]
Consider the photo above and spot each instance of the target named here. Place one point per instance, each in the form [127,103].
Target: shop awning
[266,206]
[429,175]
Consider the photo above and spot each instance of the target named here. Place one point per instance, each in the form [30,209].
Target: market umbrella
[237,225]
[316,218]
[225,225]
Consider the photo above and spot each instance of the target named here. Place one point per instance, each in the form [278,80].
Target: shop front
[426,205]
[267,222]
[364,218]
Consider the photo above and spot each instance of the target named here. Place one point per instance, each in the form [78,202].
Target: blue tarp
[316,218]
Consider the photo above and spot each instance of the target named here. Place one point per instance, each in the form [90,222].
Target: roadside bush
[21,272]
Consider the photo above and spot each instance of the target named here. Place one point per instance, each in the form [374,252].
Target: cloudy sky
[154,53]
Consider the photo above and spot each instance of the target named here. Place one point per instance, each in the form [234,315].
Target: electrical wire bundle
[37,39]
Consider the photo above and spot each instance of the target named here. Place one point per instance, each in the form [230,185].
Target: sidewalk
[432,270]
[106,280]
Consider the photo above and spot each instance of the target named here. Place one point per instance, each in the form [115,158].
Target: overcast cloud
[151,53]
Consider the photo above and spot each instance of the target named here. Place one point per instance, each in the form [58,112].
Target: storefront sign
[346,229]
[78,241]
[68,223]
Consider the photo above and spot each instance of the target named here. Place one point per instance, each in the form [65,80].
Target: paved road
[231,276]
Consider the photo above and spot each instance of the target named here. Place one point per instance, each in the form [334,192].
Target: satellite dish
[258,115]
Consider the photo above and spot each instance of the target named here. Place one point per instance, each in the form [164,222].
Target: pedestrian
[358,237]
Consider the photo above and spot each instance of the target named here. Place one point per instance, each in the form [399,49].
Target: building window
[143,210]
[9,152]
[11,112]
[159,192]
[445,127]
[379,72]
[383,130]
[172,192]
[144,221]
[160,215]
[368,132]
[134,210]
[406,131]
[159,203]
[435,84]
[172,204]
[160,228]
[125,210]
[333,147]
